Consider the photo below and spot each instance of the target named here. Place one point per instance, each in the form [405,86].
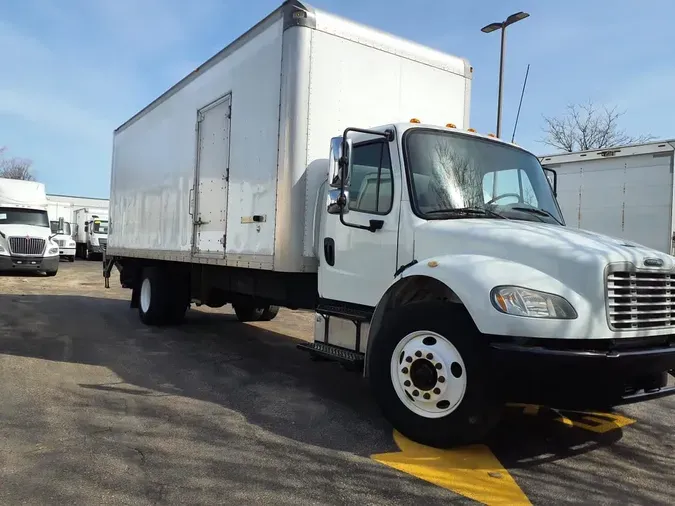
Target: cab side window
[371,182]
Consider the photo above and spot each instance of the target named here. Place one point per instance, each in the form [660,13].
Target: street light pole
[502,26]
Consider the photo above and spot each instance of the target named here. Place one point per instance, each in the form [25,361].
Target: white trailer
[624,191]
[60,220]
[91,231]
[433,257]
[26,243]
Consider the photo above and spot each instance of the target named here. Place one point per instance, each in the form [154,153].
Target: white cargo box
[624,192]
[224,167]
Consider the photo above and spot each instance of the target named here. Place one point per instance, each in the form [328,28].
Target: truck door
[211,178]
[357,266]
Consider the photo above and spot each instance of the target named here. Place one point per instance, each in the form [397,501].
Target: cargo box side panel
[357,84]
[624,197]
[154,158]
[648,201]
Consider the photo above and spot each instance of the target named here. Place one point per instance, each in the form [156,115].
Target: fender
[470,278]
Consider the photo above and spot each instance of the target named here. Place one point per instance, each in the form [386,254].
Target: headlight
[71,244]
[518,301]
[53,251]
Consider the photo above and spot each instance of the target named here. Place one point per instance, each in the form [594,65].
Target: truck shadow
[216,381]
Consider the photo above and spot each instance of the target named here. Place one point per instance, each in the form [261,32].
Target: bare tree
[15,168]
[586,127]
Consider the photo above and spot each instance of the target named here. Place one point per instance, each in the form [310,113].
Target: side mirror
[86,227]
[61,224]
[552,177]
[334,203]
[340,162]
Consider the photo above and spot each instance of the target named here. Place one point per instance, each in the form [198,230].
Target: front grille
[26,246]
[640,300]
[103,243]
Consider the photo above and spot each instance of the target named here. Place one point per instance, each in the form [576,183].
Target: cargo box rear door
[211,178]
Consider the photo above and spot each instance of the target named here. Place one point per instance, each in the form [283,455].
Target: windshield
[453,171]
[100,227]
[14,216]
[55,228]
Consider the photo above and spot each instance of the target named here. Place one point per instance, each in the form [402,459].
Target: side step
[348,358]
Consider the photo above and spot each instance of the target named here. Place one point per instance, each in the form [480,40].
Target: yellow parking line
[472,471]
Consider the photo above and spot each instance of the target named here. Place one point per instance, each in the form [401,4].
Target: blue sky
[73,70]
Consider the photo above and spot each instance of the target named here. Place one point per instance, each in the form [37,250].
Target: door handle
[200,222]
[329,250]
[190,210]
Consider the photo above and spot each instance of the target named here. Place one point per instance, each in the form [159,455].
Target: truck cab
[26,241]
[91,233]
[63,236]
[448,252]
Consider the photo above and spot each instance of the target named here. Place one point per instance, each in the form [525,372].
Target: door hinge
[227,174]
[222,240]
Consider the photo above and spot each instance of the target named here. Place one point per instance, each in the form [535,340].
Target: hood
[25,230]
[574,256]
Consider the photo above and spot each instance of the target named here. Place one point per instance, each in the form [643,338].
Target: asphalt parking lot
[98,409]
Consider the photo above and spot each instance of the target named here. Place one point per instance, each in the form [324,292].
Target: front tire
[429,372]
[51,273]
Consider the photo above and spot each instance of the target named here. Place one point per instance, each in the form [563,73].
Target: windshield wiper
[476,211]
[534,210]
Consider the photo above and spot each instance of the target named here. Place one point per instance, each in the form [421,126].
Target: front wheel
[429,373]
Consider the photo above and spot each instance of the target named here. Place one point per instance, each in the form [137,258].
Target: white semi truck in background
[26,240]
[435,258]
[91,232]
[60,220]
[622,191]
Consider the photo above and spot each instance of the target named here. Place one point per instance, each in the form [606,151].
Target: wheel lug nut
[404,370]
[415,393]
[418,353]
[439,366]
[430,356]
[408,359]
[427,396]
[437,390]
[441,379]
[406,383]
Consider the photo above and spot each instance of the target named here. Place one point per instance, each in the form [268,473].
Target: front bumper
[585,371]
[66,252]
[27,264]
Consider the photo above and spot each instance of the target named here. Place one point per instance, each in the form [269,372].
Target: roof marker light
[471,130]
[414,120]
[451,125]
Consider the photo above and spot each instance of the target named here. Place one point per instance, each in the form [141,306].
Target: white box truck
[623,191]
[434,258]
[26,241]
[60,220]
[91,232]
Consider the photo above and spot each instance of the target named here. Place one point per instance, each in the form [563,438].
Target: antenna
[521,103]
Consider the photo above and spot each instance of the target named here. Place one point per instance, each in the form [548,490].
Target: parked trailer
[624,191]
[432,256]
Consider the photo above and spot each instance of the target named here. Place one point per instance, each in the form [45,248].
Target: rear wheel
[246,313]
[161,300]
[429,372]
[269,313]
